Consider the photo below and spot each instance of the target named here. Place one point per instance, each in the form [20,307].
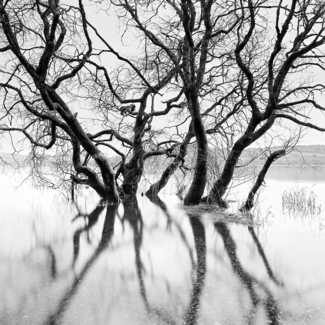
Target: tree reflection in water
[107,234]
[192,311]
[171,221]
[141,284]
[263,256]
[251,283]
[133,216]
[90,219]
[200,246]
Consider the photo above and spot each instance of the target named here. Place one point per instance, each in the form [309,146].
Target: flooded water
[83,263]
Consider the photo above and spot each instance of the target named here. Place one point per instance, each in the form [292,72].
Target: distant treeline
[301,155]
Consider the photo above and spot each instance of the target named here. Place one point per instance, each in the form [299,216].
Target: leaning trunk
[248,205]
[220,186]
[155,188]
[171,169]
[106,186]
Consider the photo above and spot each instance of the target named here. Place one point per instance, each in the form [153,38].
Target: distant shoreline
[290,165]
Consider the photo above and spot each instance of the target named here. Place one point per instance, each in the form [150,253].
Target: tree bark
[248,205]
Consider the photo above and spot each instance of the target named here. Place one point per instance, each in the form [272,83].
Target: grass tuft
[300,201]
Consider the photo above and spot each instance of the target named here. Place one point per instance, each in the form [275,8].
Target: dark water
[154,264]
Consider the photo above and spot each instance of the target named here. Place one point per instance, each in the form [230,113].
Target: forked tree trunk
[249,204]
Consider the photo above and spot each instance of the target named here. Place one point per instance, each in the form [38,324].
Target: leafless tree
[188,36]
[227,70]
[277,46]
[49,61]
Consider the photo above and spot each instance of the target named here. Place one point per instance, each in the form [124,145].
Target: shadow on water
[253,285]
[107,234]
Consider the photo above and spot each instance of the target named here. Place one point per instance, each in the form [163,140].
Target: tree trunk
[248,205]
[72,191]
[220,186]
[197,187]
[133,170]
[155,188]
[170,170]
[106,187]
[132,176]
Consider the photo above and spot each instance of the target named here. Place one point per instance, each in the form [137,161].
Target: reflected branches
[263,256]
[91,219]
[192,311]
[250,282]
[191,315]
[133,215]
[107,234]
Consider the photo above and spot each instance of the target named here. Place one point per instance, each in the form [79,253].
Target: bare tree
[275,84]
[50,62]
[208,62]
[41,38]
[186,35]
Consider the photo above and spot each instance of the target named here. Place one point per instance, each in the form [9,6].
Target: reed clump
[302,201]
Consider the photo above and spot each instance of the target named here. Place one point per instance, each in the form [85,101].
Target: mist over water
[84,263]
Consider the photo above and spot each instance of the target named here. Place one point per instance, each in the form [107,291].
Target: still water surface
[64,263]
